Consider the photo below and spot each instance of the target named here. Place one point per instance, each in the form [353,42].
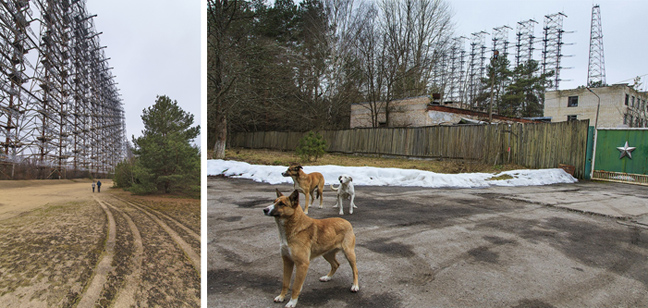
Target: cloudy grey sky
[154,47]
[625,40]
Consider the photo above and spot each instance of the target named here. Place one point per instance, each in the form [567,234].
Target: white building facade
[621,106]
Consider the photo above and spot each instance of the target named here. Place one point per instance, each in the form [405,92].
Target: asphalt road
[422,247]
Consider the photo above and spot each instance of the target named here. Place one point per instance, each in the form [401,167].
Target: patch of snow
[372,176]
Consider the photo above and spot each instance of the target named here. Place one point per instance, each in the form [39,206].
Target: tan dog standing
[303,239]
[306,183]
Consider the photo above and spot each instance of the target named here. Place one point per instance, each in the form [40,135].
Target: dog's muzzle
[285,174]
[268,211]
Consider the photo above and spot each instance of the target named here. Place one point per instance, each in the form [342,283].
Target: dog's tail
[336,189]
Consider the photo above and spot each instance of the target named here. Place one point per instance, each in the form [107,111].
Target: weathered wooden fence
[543,145]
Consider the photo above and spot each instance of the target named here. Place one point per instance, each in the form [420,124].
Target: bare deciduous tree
[300,66]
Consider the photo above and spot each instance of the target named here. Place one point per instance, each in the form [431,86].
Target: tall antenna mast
[596,67]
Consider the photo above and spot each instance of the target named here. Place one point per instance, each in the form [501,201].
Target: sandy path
[61,245]
[52,234]
[17,197]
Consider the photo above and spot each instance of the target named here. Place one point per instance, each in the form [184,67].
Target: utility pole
[490,107]
[598,106]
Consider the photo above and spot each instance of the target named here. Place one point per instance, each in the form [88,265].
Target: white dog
[345,190]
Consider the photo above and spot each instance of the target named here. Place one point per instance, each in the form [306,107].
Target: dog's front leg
[288,265]
[306,194]
[300,276]
[339,201]
[352,205]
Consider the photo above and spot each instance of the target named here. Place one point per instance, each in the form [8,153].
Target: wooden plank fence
[542,145]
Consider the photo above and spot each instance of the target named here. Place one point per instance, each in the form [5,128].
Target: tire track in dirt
[179,224]
[189,252]
[126,297]
[104,266]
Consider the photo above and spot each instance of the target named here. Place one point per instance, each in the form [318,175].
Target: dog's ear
[340,178]
[294,198]
[350,179]
[299,167]
[279,194]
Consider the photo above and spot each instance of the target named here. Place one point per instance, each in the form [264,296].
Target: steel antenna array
[61,110]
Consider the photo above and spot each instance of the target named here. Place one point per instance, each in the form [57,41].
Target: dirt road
[61,245]
[421,247]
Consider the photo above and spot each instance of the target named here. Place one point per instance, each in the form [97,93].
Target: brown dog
[306,183]
[303,239]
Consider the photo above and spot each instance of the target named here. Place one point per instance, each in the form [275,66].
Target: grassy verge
[279,158]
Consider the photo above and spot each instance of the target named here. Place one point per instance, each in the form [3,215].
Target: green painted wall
[607,154]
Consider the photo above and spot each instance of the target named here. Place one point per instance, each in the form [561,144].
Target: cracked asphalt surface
[422,247]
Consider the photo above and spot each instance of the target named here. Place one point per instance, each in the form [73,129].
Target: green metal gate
[621,155]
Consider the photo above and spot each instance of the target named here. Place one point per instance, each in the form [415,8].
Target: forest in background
[290,66]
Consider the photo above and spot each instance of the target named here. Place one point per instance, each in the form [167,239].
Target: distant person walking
[98,186]
[93,186]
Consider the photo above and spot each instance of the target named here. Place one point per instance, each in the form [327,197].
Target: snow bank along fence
[544,145]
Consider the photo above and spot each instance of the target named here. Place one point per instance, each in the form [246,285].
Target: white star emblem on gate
[625,151]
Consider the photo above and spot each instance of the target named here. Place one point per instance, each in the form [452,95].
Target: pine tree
[166,159]
[311,145]
[523,97]
[498,76]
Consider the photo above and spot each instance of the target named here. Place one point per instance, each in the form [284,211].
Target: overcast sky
[154,47]
[625,39]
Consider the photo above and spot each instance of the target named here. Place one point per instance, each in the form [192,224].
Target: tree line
[163,158]
[299,67]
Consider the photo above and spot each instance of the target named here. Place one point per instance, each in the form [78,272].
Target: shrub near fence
[542,145]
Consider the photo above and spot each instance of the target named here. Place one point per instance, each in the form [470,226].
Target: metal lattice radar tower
[439,77]
[448,73]
[458,74]
[476,68]
[552,47]
[500,44]
[596,67]
[457,61]
[525,40]
[61,113]
[500,40]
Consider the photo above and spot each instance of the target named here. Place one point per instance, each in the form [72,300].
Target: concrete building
[621,106]
[420,111]
[403,113]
